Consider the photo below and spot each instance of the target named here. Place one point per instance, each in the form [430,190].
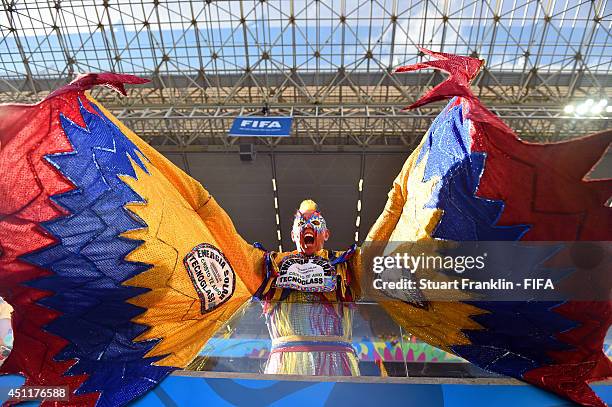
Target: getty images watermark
[457,264]
[491,271]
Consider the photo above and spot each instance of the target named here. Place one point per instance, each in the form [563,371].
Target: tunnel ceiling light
[582,109]
[587,108]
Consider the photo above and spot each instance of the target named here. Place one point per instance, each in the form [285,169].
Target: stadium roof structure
[329,64]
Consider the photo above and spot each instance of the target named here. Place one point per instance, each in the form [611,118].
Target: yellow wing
[405,219]
[181,215]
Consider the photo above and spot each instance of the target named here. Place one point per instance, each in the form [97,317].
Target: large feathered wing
[104,250]
[472,179]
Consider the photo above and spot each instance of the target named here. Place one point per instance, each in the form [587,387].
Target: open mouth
[309,237]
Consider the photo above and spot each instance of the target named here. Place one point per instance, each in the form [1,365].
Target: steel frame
[328,63]
[355,125]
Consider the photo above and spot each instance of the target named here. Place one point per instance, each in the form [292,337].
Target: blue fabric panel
[447,149]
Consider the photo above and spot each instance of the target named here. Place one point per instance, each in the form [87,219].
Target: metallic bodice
[310,337]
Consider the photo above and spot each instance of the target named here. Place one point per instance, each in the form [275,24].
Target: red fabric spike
[110,80]
[462,71]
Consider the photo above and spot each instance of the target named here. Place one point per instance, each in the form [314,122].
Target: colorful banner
[390,349]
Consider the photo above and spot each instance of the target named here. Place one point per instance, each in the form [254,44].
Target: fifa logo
[261,124]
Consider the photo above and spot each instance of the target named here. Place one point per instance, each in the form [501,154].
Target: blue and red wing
[491,186]
[92,240]
[62,260]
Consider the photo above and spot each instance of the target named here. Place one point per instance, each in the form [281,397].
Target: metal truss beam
[351,125]
[207,80]
[326,88]
[328,63]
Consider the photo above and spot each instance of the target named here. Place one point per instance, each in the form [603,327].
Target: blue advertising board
[261,126]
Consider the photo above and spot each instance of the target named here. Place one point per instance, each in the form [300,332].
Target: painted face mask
[309,229]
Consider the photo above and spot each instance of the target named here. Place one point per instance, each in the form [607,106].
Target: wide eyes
[315,223]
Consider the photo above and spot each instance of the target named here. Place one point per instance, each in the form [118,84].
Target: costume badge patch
[311,274]
[211,274]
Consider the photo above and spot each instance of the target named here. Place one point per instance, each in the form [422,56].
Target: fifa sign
[261,126]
